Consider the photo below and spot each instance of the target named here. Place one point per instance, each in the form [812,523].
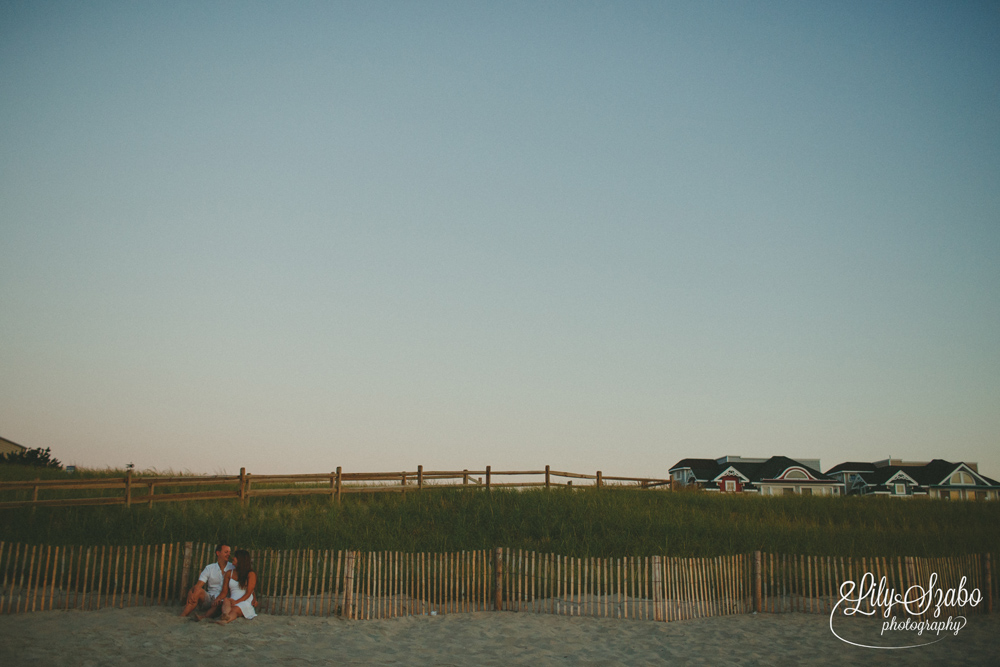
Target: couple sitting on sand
[225,588]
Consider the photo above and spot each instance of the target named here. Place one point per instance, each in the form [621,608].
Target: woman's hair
[244,566]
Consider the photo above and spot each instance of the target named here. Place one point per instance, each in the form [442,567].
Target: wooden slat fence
[41,577]
[388,584]
[811,583]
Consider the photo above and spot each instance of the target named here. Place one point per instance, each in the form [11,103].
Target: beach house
[907,479]
[778,475]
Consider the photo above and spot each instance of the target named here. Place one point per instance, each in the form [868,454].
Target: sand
[141,635]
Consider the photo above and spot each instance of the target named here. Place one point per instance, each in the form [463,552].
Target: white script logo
[872,598]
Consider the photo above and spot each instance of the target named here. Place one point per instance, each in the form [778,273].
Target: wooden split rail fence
[375,585]
[145,489]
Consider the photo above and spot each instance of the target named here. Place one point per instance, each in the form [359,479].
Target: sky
[292,236]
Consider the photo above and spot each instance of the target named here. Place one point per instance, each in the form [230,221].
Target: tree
[36,458]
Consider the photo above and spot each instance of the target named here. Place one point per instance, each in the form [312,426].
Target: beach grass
[580,522]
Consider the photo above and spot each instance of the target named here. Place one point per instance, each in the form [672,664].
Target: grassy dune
[584,522]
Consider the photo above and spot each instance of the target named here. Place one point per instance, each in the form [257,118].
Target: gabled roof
[776,465]
[730,468]
[706,470]
[703,469]
[693,463]
[934,473]
[900,475]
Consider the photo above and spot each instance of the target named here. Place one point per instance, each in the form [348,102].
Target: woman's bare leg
[211,611]
[230,615]
[227,610]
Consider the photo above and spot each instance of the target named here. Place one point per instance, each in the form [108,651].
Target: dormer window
[961,477]
[900,489]
[796,474]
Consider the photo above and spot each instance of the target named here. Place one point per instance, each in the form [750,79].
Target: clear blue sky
[292,236]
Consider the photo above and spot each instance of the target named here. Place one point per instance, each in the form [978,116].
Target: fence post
[657,592]
[345,609]
[756,581]
[989,584]
[497,576]
[599,480]
[465,476]
[186,569]
[420,478]
[339,482]
[487,478]
[333,486]
[149,502]
[34,491]
[546,477]
[128,488]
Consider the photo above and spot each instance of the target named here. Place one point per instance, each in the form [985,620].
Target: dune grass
[582,522]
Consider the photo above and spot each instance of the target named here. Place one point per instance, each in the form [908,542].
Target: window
[981,495]
[900,489]
[730,486]
[946,494]
[796,474]
[962,478]
[806,491]
[788,491]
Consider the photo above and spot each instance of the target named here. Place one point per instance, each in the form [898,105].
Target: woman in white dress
[237,591]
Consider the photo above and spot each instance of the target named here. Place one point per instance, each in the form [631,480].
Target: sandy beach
[128,636]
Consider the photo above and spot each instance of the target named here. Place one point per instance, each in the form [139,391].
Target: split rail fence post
[657,586]
[546,477]
[339,481]
[497,578]
[756,582]
[420,478]
[345,609]
[599,479]
[243,487]
[34,491]
[186,569]
[128,488]
[465,476]
[487,478]
[333,486]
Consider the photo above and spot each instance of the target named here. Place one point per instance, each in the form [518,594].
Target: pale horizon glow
[599,236]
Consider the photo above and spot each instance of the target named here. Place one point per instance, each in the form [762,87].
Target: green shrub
[34,458]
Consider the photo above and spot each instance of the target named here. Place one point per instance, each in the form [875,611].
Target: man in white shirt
[209,585]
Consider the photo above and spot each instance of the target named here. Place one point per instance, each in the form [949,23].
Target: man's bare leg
[194,598]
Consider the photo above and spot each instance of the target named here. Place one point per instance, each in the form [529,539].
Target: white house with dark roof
[907,479]
[778,475]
